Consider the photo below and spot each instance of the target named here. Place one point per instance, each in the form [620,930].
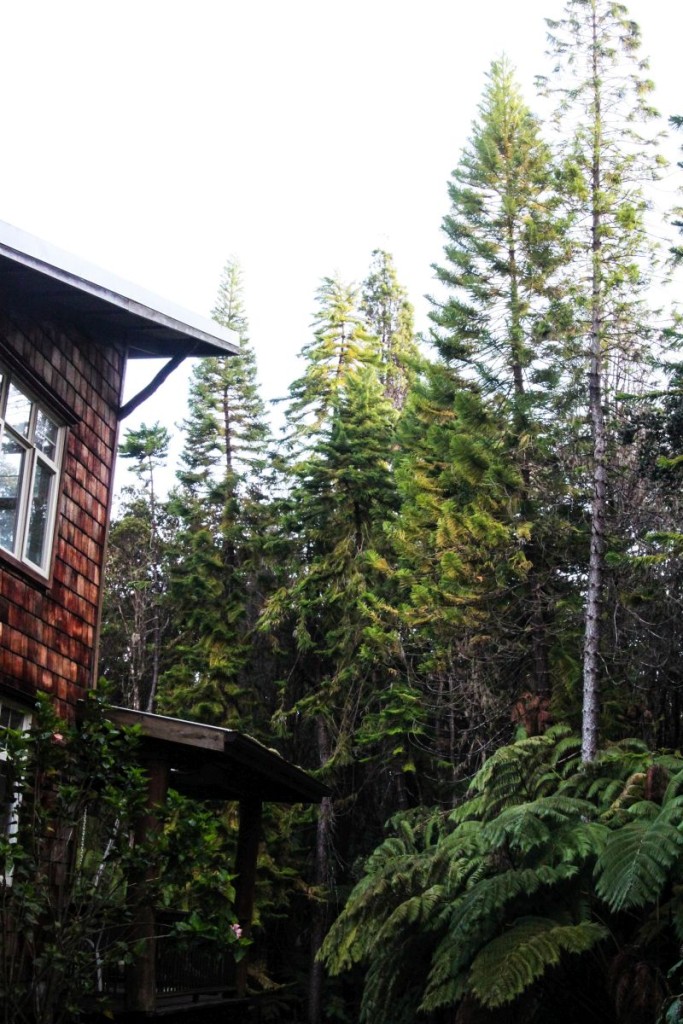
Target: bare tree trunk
[156,588]
[322,876]
[591,650]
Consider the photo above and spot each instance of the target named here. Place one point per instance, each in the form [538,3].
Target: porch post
[141,974]
[245,866]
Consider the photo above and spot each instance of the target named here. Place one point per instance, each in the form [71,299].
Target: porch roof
[211,763]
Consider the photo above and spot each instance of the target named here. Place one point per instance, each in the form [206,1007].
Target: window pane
[39,515]
[11,718]
[12,466]
[47,432]
[18,410]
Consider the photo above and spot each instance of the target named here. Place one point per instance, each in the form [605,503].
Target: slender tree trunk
[322,876]
[591,652]
[539,636]
[230,553]
[156,590]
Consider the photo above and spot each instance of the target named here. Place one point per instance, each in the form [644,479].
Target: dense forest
[453,585]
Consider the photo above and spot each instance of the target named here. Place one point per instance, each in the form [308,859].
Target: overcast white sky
[157,137]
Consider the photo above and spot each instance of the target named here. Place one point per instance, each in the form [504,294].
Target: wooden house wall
[48,630]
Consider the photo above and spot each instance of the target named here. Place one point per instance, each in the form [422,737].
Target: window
[11,717]
[31,444]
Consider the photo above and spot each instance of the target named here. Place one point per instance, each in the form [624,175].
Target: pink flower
[236,930]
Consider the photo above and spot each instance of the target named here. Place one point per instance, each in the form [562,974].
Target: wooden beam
[171,730]
[153,385]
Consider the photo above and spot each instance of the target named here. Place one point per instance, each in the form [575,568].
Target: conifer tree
[474,539]
[502,252]
[389,316]
[603,92]
[341,491]
[221,507]
[226,434]
[340,343]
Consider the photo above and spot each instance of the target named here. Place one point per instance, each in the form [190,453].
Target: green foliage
[638,858]
[401,589]
[485,518]
[135,611]
[68,866]
[520,888]
[389,317]
[509,964]
[194,846]
[217,567]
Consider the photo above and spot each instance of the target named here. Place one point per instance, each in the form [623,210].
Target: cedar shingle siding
[48,630]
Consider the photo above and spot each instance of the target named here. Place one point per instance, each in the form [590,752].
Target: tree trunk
[322,875]
[591,651]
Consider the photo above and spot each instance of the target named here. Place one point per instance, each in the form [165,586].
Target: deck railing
[185,965]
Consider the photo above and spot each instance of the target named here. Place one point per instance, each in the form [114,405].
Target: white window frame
[34,460]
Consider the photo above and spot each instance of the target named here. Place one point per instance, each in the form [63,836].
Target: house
[67,331]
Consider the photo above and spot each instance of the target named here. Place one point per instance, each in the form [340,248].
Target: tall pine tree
[604,94]
[341,491]
[222,508]
[389,316]
[475,539]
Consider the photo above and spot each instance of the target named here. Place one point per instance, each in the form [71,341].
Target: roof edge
[36,254]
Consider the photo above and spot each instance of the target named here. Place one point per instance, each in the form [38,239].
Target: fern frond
[531,825]
[388,981]
[475,920]
[447,978]
[488,899]
[352,937]
[634,864]
[516,959]
[419,909]
[584,841]
[675,786]
[566,755]
[519,827]
[508,777]
[467,840]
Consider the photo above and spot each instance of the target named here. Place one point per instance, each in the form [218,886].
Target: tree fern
[532,871]
[418,910]
[509,777]
[528,826]
[394,983]
[637,859]
[522,954]
[490,897]
[394,872]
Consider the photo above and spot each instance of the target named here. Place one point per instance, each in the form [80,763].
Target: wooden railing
[192,967]
[184,966]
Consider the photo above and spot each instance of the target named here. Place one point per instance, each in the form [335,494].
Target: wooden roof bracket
[156,382]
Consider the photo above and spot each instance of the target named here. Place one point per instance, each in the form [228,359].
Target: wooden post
[141,975]
[245,867]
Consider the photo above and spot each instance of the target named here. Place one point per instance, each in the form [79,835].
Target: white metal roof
[110,308]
